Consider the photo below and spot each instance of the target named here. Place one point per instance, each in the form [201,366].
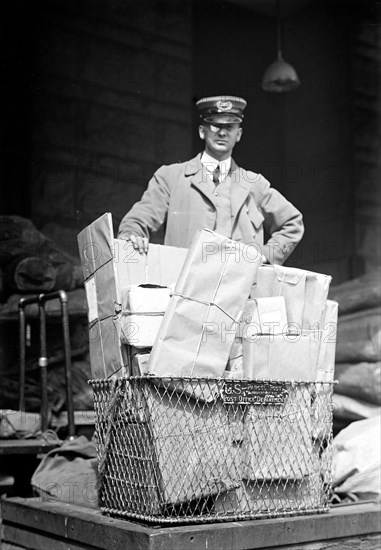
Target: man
[211,191]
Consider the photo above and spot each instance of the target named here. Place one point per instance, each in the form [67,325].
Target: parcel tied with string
[198,328]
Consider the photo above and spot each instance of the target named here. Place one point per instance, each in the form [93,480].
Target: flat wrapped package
[96,244]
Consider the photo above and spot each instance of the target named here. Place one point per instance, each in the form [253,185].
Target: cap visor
[222,119]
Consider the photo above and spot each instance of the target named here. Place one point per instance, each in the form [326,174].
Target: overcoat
[181,196]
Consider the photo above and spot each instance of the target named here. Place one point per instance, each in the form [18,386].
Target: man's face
[220,139]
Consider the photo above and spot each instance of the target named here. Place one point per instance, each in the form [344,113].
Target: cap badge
[224,105]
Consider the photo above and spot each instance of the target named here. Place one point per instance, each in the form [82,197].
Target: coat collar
[193,165]
[240,185]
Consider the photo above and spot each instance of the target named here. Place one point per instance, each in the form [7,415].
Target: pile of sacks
[358,350]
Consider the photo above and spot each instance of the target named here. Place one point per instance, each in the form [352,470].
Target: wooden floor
[43,525]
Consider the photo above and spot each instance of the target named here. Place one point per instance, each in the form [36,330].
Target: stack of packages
[126,293]
[143,308]
[358,351]
[217,324]
[189,426]
[181,315]
[285,334]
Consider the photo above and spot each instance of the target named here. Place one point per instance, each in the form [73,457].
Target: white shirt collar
[211,163]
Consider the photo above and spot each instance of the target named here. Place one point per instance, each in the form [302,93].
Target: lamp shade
[280,76]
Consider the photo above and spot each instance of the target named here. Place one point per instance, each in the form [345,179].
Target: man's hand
[139,243]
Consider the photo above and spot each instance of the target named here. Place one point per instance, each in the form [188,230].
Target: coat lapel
[240,189]
[199,178]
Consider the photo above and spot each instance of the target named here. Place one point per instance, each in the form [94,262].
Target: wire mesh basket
[202,450]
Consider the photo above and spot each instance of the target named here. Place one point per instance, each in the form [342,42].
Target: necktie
[216,175]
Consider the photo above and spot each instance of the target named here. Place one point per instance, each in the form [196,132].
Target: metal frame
[43,360]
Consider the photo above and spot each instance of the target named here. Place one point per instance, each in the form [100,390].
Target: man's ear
[239,135]
[201,131]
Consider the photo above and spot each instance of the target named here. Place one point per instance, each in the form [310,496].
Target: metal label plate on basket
[248,392]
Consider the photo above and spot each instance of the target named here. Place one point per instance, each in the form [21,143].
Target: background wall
[366,131]
[332,133]
[318,135]
[103,97]
[100,93]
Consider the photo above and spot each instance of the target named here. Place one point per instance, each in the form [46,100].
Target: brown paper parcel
[160,266]
[269,316]
[326,362]
[281,356]
[95,244]
[198,328]
[277,438]
[190,444]
[305,293]
[271,496]
[263,316]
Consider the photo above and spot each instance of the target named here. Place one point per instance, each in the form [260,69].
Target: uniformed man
[211,191]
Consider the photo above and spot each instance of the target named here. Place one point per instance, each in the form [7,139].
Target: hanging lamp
[280,76]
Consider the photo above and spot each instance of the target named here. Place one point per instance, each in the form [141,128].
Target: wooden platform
[38,525]
[19,458]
